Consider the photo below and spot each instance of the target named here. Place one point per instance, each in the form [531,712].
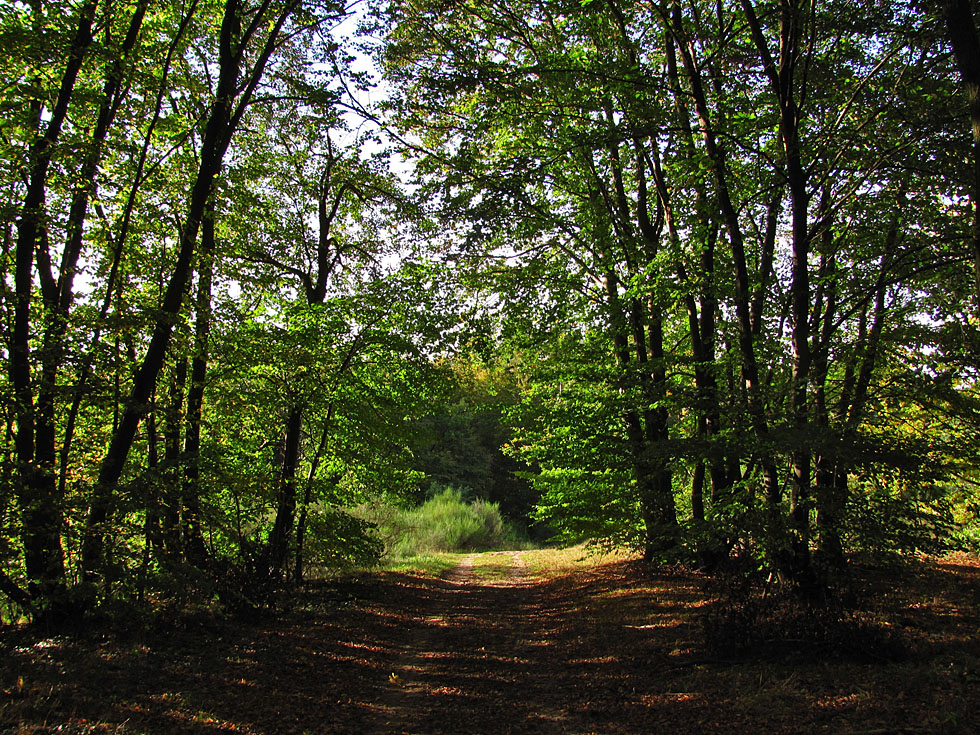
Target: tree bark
[643,323]
[223,120]
[308,495]
[962,30]
[286,495]
[193,547]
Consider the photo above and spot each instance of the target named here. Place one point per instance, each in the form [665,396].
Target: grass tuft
[445,523]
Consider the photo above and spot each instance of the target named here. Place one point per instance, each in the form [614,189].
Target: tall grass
[444,523]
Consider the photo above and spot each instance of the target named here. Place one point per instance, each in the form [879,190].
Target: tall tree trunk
[232,97]
[286,495]
[321,449]
[194,548]
[766,260]
[646,316]
[330,197]
[719,170]
[308,494]
[853,400]
[173,425]
[702,334]
[702,325]
[117,244]
[830,550]
[36,484]
[962,30]
[643,323]
[786,86]
[154,504]
[60,296]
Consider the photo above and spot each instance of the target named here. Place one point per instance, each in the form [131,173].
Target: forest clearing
[512,642]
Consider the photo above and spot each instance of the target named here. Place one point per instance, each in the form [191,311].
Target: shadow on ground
[611,650]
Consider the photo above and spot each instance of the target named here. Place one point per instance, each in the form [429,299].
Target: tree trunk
[308,493]
[645,325]
[962,30]
[286,495]
[830,549]
[173,425]
[702,334]
[750,370]
[36,483]
[784,83]
[194,548]
[117,243]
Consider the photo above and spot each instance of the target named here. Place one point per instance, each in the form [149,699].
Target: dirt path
[487,648]
[494,649]
[471,649]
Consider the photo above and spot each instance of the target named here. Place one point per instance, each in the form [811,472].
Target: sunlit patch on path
[505,643]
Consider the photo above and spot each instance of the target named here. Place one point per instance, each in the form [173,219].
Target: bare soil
[494,647]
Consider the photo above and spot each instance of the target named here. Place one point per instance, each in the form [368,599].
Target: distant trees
[739,220]
[462,444]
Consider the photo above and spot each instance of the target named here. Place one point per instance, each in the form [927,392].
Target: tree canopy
[704,272]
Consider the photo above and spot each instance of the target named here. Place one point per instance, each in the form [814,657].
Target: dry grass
[493,566]
[547,563]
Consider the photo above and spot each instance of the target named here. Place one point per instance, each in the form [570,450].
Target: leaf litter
[617,647]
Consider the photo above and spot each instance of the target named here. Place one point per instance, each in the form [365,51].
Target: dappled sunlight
[842,702]
[616,649]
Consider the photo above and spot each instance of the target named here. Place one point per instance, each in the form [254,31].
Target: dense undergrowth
[445,523]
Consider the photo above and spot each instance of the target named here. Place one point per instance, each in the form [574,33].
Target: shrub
[446,522]
[335,539]
[889,516]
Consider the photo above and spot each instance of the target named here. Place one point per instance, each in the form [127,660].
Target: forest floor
[510,642]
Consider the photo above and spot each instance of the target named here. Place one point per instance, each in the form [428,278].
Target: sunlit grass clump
[429,565]
[445,523]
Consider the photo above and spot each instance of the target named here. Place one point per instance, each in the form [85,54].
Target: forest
[335,335]
[696,279]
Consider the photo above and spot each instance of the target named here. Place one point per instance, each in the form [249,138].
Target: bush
[444,523]
[886,516]
[335,539]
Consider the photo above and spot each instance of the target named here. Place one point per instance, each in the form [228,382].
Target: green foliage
[568,427]
[443,523]
[887,513]
[336,539]
[622,181]
[461,444]
[550,316]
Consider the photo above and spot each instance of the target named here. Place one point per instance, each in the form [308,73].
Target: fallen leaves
[608,650]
